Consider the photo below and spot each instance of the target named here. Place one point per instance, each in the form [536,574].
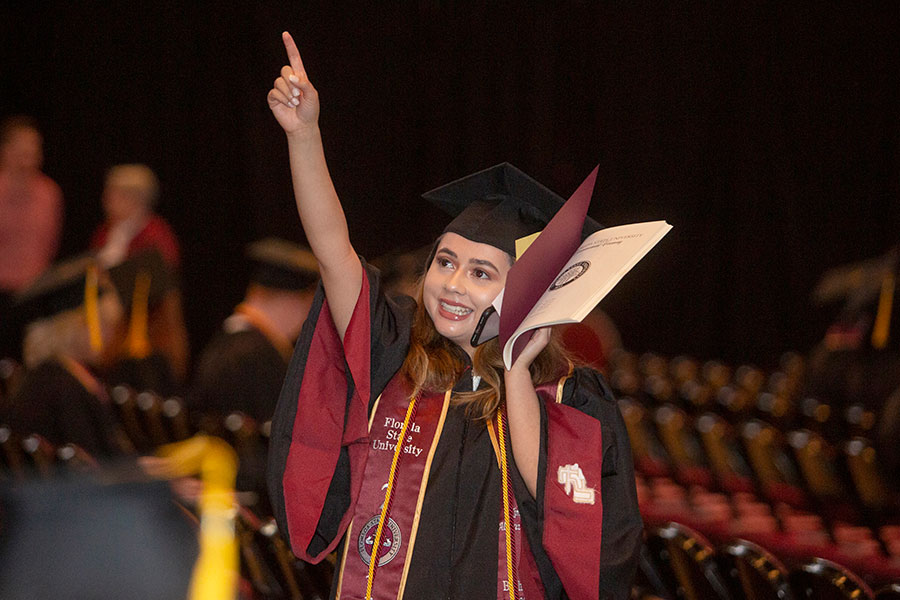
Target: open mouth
[454,311]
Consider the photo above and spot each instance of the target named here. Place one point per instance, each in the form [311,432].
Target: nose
[455,282]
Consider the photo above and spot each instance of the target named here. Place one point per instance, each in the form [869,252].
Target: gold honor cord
[138,344]
[501,438]
[215,574]
[91,308]
[882,329]
[385,507]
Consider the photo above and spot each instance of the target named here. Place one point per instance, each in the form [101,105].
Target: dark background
[766,133]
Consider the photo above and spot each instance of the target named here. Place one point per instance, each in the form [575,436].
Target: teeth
[456,310]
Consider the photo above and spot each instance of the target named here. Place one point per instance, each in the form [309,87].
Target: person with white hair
[129,199]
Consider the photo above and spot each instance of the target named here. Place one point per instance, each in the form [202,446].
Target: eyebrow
[473,261]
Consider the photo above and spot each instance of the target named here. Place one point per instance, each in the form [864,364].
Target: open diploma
[593,270]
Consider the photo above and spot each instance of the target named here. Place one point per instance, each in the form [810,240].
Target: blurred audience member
[129,198]
[858,360]
[71,315]
[244,365]
[145,284]
[131,227]
[31,212]
[400,271]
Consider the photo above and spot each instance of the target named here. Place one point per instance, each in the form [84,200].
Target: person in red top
[31,213]
[131,226]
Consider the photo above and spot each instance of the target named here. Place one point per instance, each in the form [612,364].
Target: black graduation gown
[238,371]
[457,545]
[55,404]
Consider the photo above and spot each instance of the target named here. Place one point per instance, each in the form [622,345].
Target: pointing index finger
[292,52]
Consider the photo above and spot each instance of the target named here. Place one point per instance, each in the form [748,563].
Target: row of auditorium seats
[737,394]
[679,562]
[742,454]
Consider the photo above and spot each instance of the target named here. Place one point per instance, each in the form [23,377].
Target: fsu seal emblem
[390,541]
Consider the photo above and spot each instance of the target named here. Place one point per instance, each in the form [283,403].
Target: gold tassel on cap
[138,343]
[91,307]
[882,330]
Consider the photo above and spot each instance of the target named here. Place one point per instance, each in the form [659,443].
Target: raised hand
[293,99]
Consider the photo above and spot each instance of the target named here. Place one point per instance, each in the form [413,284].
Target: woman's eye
[444,262]
[480,274]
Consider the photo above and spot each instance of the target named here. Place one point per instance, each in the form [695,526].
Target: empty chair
[687,561]
[873,492]
[773,465]
[127,412]
[12,457]
[753,573]
[726,457]
[11,374]
[650,457]
[819,464]
[150,408]
[682,446]
[174,414]
[825,580]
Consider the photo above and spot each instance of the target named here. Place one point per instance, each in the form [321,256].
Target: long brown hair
[434,363]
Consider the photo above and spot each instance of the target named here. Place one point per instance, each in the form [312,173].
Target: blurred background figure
[31,213]
[243,366]
[145,283]
[858,359]
[401,270]
[129,198]
[131,227]
[70,317]
[239,375]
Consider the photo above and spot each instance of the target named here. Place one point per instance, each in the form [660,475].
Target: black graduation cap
[499,205]
[111,536]
[282,265]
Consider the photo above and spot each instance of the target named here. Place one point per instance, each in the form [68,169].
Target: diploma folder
[560,278]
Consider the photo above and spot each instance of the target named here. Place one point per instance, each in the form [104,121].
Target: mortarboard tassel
[138,343]
[91,308]
[881,331]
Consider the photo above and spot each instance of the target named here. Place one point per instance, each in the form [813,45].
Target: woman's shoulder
[586,388]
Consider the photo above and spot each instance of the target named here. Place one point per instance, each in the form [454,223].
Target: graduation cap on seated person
[282,265]
[502,205]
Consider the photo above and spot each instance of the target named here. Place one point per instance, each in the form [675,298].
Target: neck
[285,311]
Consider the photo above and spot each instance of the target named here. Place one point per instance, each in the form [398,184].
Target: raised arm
[295,104]
[523,410]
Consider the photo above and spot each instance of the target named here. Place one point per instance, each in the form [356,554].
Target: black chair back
[824,580]
[754,573]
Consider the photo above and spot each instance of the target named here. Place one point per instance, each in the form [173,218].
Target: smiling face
[461,282]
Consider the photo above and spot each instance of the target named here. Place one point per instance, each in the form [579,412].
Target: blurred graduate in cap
[72,316]
[243,366]
[406,443]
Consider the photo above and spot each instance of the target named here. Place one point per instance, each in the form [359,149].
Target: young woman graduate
[395,436]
